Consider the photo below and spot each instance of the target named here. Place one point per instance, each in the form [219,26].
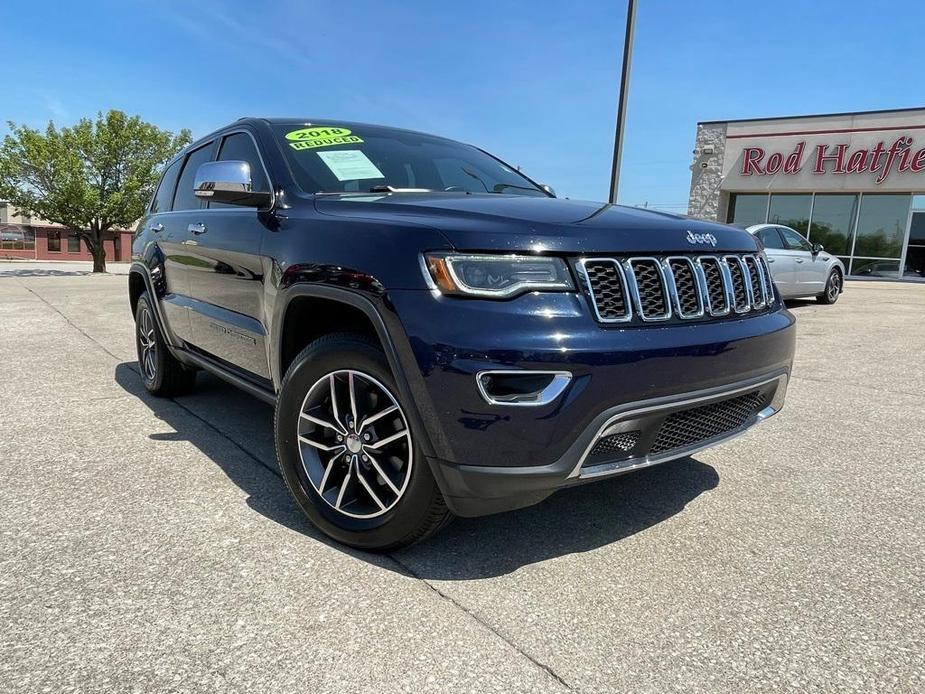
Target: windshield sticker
[350,165]
[321,136]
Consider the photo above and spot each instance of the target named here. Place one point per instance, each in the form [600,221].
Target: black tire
[418,510]
[833,288]
[160,371]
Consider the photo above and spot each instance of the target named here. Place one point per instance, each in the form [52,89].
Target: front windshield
[336,159]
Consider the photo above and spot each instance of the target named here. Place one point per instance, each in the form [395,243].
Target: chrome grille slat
[648,287]
[684,286]
[756,281]
[741,287]
[715,283]
[681,287]
[607,284]
[768,281]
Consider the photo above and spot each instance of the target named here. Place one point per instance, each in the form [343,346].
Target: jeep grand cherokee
[437,332]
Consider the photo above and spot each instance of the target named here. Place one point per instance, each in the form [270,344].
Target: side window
[770,238]
[164,194]
[184,198]
[794,241]
[240,147]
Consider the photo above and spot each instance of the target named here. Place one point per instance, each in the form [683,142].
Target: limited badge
[321,136]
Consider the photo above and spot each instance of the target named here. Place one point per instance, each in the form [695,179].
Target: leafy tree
[95,176]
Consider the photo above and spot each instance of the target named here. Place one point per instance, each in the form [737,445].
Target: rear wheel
[832,289]
[347,450]
[160,371]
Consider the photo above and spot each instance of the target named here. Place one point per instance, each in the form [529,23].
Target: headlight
[497,276]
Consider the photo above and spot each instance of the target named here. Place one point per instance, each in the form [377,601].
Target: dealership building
[853,182]
[24,238]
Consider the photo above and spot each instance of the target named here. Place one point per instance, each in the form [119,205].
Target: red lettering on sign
[822,158]
[775,161]
[837,159]
[751,161]
[795,159]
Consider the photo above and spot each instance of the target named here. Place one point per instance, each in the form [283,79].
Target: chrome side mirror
[818,248]
[228,182]
[548,189]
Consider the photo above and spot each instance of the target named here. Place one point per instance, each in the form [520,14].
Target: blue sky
[534,82]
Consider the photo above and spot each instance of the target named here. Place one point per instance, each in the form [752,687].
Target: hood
[508,223]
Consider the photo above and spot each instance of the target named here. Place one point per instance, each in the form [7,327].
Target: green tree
[95,176]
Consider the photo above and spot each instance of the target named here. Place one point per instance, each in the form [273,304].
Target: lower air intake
[690,427]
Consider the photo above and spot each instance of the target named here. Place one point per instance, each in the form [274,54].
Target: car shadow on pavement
[219,418]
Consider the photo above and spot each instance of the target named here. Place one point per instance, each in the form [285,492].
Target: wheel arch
[340,310]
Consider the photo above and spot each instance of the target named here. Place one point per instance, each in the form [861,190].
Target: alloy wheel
[147,345]
[355,444]
[834,286]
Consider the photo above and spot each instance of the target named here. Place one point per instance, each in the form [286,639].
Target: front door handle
[799,260]
[198,228]
[770,260]
[156,228]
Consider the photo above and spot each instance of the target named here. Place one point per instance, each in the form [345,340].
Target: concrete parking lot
[150,544]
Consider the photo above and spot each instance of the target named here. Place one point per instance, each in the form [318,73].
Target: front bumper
[475,490]
[494,457]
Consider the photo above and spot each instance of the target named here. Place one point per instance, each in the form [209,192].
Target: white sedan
[800,268]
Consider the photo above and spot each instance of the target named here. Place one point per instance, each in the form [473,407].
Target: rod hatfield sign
[883,159]
[880,152]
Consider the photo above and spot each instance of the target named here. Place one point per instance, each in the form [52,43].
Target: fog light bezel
[558,382]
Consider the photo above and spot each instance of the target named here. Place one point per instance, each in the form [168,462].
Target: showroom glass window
[833,223]
[54,241]
[915,250]
[791,211]
[879,236]
[747,209]
[73,243]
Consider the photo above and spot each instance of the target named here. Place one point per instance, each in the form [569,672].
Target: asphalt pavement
[150,545]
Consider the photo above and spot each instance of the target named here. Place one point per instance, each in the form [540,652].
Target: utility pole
[621,105]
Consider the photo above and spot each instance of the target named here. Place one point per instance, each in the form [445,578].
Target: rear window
[164,194]
[337,159]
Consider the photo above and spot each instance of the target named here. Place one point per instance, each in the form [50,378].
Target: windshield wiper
[392,189]
[501,187]
[469,173]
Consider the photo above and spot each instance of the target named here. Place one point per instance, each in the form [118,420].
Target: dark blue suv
[438,333]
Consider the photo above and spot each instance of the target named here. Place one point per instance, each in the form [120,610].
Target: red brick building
[20,238]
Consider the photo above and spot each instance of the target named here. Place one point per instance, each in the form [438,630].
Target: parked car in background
[800,268]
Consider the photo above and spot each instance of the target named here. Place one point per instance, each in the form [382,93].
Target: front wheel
[347,449]
[160,371]
[832,289]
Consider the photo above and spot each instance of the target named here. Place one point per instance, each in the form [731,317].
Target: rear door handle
[156,228]
[770,260]
[799,260]
[198,228]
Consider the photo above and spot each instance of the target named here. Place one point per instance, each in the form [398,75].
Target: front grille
[605,282]
[716,286]
[614,445]
[650,288]
[739,291]
[685,286]
[754,276]
[689,427]
[676,288]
